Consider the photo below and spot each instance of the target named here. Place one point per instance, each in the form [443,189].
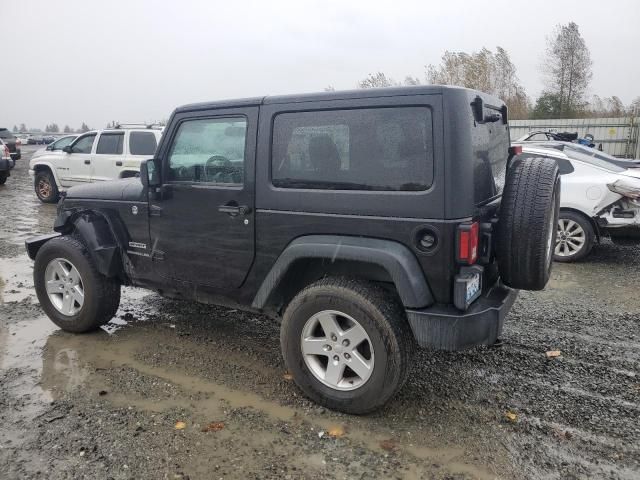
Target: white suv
[93,157]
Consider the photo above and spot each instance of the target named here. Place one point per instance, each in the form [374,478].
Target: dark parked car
[368,221]
[11,142]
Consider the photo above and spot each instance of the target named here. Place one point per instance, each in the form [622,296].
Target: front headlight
[627,187]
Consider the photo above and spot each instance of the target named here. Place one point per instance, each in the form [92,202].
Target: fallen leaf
[213,427]
[336,432]
[388,445]
[287,376]
[512,417]
[553,353]
[181,425]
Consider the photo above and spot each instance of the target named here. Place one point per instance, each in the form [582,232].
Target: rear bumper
[444,327]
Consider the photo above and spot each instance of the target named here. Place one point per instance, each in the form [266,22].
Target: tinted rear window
[142,143]
[110,144]
[359,149]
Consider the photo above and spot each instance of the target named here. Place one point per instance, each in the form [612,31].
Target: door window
[110,144]
[84,144]
[142,143]
[209,151]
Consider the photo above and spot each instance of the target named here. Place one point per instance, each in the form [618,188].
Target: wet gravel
[106,404]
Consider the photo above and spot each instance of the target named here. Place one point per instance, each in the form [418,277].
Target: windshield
[592,157]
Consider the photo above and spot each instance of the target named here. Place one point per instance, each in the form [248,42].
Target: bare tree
[329,88]
[23,128]
[634,108]
[409,80]
[376,80]
[68,129]
[567,68]
[486,71]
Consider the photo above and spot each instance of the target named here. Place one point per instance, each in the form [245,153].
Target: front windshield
[592,157]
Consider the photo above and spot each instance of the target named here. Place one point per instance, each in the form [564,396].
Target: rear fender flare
[399,262]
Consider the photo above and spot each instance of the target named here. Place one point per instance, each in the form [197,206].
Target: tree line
[565,69]
[51,128]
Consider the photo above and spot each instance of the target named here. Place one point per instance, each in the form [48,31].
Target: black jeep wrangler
[368,221]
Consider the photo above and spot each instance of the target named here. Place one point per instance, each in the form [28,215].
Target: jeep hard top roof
[336,95]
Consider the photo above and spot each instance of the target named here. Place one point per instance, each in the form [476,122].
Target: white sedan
[600,196]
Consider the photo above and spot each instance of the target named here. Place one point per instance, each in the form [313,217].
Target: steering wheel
[216,166]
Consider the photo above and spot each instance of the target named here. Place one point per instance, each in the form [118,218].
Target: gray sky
[69,61]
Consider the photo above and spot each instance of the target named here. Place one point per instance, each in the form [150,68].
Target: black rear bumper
[444,327]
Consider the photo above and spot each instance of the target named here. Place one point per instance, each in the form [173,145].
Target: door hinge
[155,211]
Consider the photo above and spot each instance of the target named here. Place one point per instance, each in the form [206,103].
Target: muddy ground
[105,405]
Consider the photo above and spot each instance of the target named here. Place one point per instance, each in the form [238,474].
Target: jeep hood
[127,189]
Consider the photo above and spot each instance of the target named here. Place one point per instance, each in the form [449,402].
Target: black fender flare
[95,231]
[395,258]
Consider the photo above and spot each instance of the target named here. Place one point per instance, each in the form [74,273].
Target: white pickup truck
[93,157]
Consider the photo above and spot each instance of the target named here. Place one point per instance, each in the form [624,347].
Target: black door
[202,229]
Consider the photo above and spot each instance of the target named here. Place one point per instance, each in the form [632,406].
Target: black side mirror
[67,149]
[149,173]
[49,147]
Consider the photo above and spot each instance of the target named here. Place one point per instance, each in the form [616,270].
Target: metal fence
[618,136]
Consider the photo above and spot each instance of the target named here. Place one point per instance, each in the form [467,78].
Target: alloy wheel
[337,350]
[64,286]
[571,238]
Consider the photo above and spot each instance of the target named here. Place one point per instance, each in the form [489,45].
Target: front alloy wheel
[64,286]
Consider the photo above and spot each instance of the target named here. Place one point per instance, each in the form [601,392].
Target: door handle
[234,210]
[118,163]
[87,162]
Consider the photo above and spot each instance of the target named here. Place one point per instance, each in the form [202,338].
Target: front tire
[575,237]
[347,344]
[3,177]
[45,186]
[73,294]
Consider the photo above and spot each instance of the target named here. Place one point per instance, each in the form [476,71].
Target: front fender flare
[395,258]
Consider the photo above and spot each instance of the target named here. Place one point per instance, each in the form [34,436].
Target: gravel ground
[106,404]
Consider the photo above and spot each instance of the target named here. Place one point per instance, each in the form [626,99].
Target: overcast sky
[68,61]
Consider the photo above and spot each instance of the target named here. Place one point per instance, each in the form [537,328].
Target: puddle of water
[16,279]
[70,358]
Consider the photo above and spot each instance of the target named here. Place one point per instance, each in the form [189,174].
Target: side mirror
[49,147]
[149,173]
[67,149]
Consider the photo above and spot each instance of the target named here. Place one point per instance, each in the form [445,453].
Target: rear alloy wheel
[347,344]
[574,238]
[45,186]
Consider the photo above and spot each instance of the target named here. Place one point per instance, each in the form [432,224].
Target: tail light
[627,187]
[468,240]
[515,150]
[6,151]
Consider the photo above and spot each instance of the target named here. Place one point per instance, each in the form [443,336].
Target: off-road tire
[383,318]
[3,178]
[528,223]
[590,236]
[46,176]
[101,294]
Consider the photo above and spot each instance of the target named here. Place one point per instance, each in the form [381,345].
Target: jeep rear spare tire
[527,227]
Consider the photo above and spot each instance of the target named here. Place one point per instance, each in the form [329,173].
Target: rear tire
[98,297]
[575,237]
[528,219]
[355,306]
[45,186]
[3,178]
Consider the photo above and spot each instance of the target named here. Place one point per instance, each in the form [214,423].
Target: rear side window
[110,144]
[142,143]
[359,149]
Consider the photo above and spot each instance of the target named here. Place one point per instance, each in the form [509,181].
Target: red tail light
[6,151]
[515,150]
[468,238]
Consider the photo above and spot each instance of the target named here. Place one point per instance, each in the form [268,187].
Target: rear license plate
[473,286]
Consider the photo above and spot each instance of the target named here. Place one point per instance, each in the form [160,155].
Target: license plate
[473,286]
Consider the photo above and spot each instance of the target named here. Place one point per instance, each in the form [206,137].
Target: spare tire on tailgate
[528,223]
